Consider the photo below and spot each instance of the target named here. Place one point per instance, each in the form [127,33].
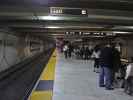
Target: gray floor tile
[75,80]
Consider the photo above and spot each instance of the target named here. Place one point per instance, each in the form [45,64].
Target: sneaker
[111,88]
[101,85]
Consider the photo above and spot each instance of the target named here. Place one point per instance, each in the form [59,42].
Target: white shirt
[96,54]
[129,71]
[65,48]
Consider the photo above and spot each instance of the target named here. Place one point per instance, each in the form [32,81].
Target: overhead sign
[56,10]
[67,11]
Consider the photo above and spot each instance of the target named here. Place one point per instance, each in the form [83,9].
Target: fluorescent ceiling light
[49,17]
[57,34]
[94,36]
[97,36]
[129,27]
[123,27]
[77,27]
[86,33]
[55,27]
[96,33]
[110,34]
[117,32]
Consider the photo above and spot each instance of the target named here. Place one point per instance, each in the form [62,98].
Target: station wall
[14,49]
[8,51]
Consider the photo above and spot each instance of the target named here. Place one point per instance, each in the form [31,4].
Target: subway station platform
[75,80]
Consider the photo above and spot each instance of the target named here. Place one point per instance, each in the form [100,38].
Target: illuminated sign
[84,12]
[56,11]
[67,11]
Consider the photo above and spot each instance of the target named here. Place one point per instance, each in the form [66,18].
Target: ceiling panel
[33,17]
[101,4]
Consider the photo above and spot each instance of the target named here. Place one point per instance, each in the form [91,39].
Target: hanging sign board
[67,11]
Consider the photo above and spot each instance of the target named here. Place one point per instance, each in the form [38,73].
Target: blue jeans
[105,76]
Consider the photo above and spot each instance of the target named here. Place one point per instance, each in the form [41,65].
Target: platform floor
[75,80]
[44,86]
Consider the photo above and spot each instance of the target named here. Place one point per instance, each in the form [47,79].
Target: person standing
[116,63]
[70,50]
[129,78]
[86,53]
[106,67]
[82,52]
[96,54]
[65,49]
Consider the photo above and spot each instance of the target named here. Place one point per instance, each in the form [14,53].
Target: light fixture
[129,27]
[96,33]
[120,32]
[49,17]
[96,36]
[80,33]
[78,40]
[110,34]
[84,12]
[67,33]
[123,27]
[86,33]
[102,33]
[57,34]
[54,27]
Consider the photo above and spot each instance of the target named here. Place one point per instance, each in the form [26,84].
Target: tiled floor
[75,80]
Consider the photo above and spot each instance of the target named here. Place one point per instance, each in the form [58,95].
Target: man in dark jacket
[70,50]
[82,51]
[86,53]
[106,67]
[116,62]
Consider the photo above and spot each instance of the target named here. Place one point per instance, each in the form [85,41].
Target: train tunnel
[32,36]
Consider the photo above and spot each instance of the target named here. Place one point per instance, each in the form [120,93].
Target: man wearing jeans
[106,67]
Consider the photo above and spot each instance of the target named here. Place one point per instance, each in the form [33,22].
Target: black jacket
[106,57]
[116,60]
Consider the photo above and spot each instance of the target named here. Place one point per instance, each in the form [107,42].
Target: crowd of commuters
[82,52]
[107,63]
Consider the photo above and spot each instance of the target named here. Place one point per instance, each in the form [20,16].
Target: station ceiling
[36,17]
